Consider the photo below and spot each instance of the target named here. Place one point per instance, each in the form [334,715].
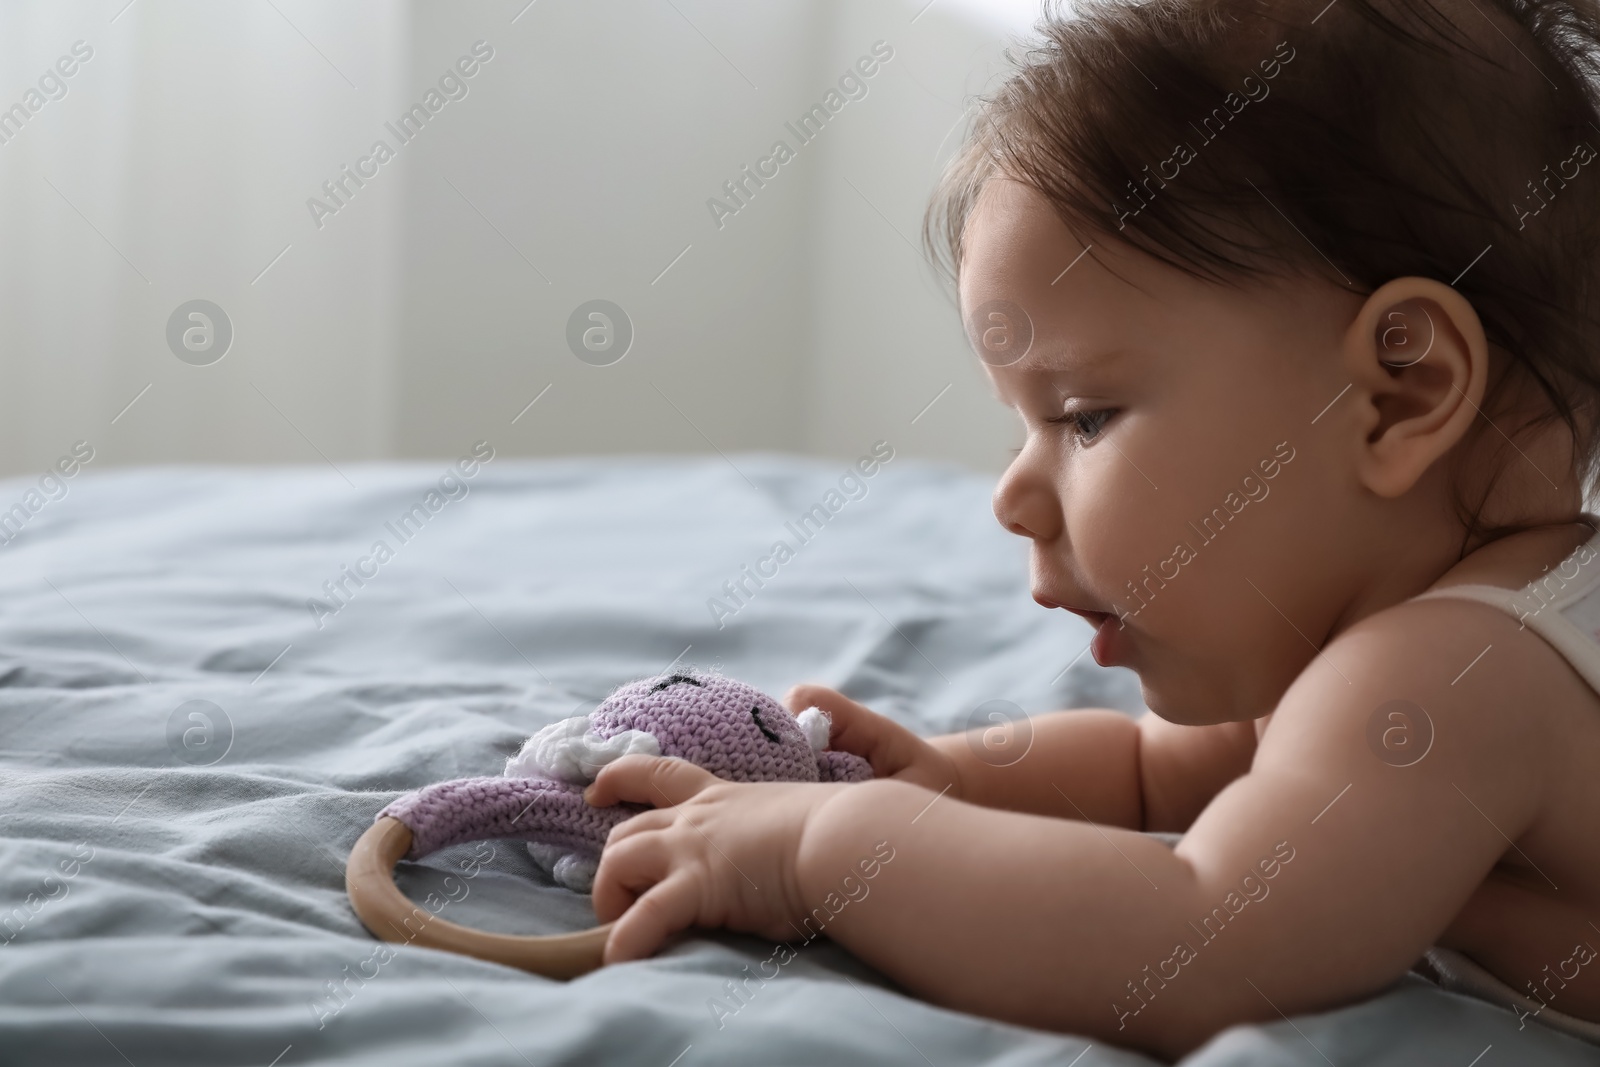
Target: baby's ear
[1419,365]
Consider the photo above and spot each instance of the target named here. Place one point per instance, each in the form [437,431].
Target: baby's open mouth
[1105,646]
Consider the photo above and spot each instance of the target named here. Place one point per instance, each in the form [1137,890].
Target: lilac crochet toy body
[731,729]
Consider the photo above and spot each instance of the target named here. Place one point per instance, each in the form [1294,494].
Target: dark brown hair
[1360,141]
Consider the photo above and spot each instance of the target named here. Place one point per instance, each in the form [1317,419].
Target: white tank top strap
[1562,605]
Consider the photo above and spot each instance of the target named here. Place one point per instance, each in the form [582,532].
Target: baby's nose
[1025,503]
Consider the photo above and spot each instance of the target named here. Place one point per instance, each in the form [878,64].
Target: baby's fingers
[629,866]
[807,695]
[882,742]
[667,908]
[658,780]
[849,719]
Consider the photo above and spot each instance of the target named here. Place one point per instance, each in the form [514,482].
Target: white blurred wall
[432,306]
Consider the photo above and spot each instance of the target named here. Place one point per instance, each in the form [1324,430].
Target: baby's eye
[1086,424]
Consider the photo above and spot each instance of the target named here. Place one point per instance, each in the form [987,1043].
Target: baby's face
[1172,479]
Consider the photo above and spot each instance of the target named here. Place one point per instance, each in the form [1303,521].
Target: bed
[209,683]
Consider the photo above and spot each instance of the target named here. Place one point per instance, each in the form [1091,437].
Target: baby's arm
[1089,764]
[1319,876]
[1107,767]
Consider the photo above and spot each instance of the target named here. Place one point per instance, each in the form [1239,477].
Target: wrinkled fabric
[188,750]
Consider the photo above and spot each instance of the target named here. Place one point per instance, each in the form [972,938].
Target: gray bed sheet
[171,887]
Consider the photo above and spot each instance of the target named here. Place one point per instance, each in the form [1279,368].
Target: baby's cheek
[1126,512]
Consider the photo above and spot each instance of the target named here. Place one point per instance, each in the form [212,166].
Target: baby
[1299,305]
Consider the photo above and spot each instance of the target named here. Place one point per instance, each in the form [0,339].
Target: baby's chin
[1187,699]
[1184,713]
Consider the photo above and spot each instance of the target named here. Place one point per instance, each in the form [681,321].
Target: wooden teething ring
[384,910]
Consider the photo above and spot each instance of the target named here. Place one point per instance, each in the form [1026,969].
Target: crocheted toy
[731,729]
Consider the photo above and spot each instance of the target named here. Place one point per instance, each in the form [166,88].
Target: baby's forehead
[1017,250]
[1011,239]
[1092,302]
[1028,284]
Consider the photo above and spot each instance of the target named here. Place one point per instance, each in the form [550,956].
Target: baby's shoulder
[1471,629]
[1468,632]
[1449,644]
[1443,665]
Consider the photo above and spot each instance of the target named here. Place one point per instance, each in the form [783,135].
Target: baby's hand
[893,751]
[712,854]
